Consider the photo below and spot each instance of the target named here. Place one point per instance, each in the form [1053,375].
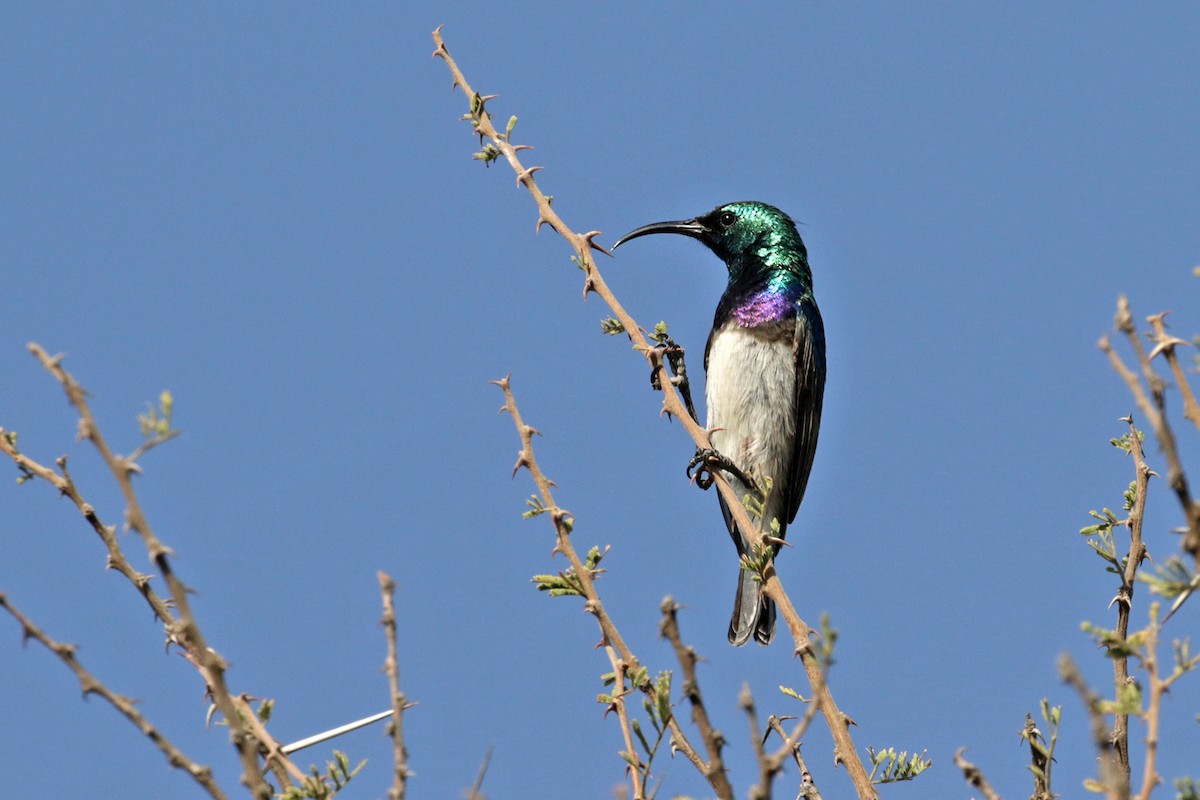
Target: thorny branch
[771,764]
[623,657]
[476,790]
[1159,686]
[246,732]
[637,770]
[391,666]
[1109,772]
[201,773]
[1155,409]
[808,789]
[1124,597]
[687,658]
[1040,760]
[975,776]
[844,749]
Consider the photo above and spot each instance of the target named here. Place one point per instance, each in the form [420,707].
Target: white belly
[751,395]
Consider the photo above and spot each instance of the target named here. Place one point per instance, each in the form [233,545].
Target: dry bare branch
[611,637]
[391,666]
[844,749]
[91,685]
[975,776]
[182,626]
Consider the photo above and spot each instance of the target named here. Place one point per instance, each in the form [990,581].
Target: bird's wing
[810,389]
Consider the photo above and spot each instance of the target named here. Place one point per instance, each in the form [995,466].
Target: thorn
[525,175]
[441,50]
[1124,317]
[541,221]
[589,236]
[522,461]
[502,382]
[1167,344]
[519,147]
[488,97]
[589,286]
[532,431]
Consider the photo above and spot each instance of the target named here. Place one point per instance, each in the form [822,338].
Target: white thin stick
[330,734]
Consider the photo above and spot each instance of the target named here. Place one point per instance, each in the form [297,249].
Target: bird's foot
[706,462]
[672,354]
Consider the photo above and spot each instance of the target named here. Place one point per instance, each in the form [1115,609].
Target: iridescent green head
[742,234]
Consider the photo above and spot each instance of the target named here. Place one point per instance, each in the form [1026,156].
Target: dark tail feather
[753,613]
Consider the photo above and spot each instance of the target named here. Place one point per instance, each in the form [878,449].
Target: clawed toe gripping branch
[707,462]
[674,354]
[674,404]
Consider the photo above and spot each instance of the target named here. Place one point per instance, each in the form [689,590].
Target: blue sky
[271,210]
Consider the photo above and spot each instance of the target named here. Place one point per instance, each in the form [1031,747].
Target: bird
[764,368]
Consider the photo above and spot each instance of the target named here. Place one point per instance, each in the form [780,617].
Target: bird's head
[736,232]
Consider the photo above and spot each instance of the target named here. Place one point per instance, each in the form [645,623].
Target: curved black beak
[687,227]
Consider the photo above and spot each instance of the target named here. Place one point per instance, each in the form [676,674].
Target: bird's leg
[703,477]
[707,460]
[674,359]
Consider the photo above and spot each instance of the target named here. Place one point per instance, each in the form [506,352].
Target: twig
[808,788]
[611,637]
[844,749]
[1039,760]
[633,762]
[391,666]
[1155,412]
[975,776]
[1159,686]
[185,629]
[1150,776]
[770,765]
[1165,344]
[117,560]
[791,744]
[90,685]
[476,790]
[116,557]
[713,739]
[1124,598]
[766,770]
[148,445]
[1109,778]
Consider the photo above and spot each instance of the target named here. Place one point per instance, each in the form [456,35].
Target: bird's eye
[727,219]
